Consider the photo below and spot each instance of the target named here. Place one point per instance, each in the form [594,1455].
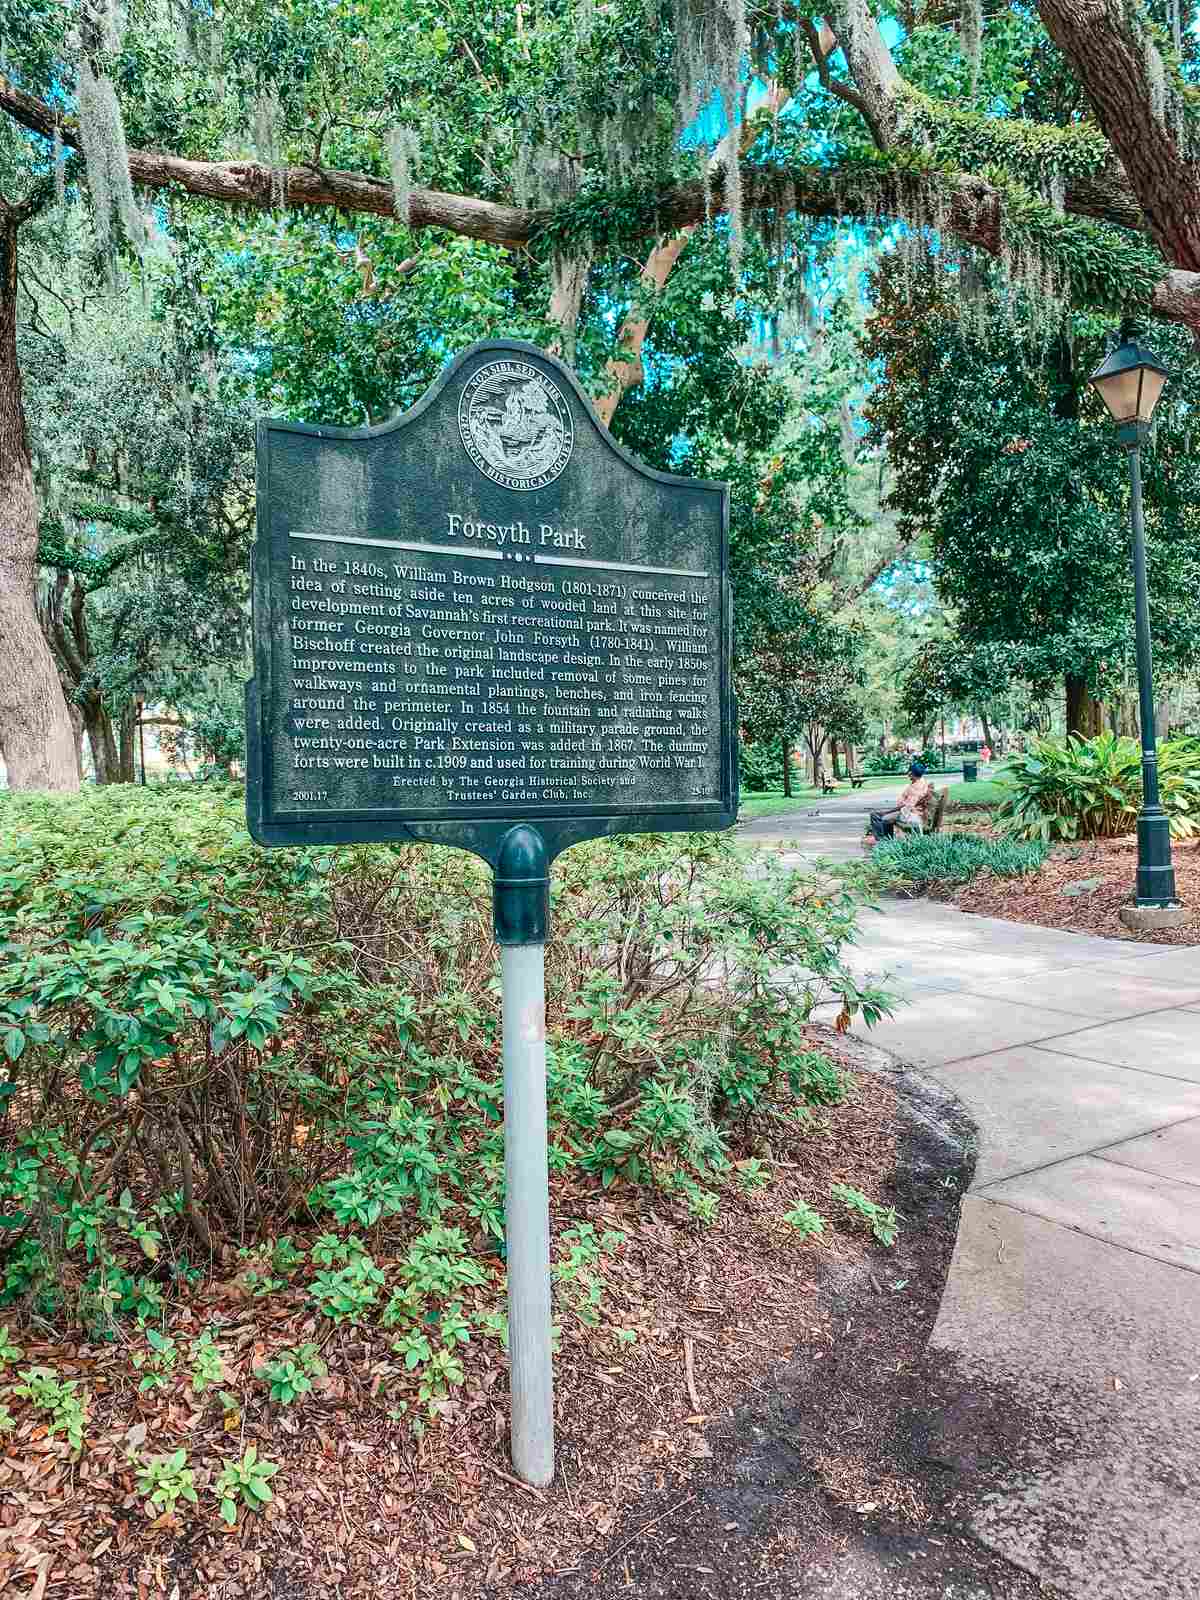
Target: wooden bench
[827,787]
[935,821]
[857,780]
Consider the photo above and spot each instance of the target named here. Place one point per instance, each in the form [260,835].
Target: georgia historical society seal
[515,424]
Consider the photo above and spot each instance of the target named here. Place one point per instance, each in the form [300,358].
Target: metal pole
[521,903]
[1155,872]
[527,1211]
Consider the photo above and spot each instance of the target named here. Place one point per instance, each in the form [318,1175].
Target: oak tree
[553,132]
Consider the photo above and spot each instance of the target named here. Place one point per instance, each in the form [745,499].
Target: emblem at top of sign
[515,424]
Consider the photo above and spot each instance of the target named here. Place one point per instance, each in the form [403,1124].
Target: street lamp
[1130,381]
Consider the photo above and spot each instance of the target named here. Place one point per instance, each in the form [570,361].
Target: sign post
[487,625]
[522,907]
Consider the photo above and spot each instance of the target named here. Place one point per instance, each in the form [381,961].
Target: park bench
[857,779]
[935,820]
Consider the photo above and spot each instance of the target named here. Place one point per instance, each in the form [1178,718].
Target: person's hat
[917,770]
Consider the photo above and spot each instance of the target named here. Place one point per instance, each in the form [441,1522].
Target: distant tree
[143,464]
[807,682]
[945,675]
[1008,466]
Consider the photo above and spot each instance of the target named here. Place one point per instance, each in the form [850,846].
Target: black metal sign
[486,611]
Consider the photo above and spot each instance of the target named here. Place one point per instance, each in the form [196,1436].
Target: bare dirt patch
[1081,888]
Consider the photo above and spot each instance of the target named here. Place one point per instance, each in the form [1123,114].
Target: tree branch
[250,183]
[855,591]
[1119,64]
[871,67]
[975,215]
[625,371]
[836,86]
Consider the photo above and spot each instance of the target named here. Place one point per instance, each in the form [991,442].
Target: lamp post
[1130,381]
[139,704]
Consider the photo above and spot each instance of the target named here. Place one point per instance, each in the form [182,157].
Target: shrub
[760,766]
[57,1399]
[1092,788]
[953,858]
[290,1374]
[883,762]
[205,1042]
[804,1219]
[882,1220]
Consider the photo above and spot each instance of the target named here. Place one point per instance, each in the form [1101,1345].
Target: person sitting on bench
[911,815]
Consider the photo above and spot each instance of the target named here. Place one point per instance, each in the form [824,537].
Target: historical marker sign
[487,625]
[486,611]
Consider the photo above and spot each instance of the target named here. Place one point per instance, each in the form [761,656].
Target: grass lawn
[774,800]
[976,796]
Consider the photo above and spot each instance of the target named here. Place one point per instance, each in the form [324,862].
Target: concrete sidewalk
[1076,1274]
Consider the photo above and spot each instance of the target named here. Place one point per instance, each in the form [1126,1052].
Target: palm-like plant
[1078,788]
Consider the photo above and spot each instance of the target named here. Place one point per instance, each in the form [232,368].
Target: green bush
[954,858]
[885,762]
[205,1043]
[760,766]
[1092,788]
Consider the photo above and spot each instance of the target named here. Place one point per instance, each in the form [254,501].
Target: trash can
[970,771]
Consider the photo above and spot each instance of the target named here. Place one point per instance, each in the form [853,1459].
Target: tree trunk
[37,741]
[1121,70]
[815,738]
[1085,716]
[787,768]
[76,717]
[987,731]
[127,736]
[102,740]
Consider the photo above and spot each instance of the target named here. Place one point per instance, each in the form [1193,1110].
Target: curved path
[1077,1268]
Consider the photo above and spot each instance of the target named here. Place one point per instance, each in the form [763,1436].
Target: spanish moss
[971,35]
[106,157]
[404,150]
[268,144]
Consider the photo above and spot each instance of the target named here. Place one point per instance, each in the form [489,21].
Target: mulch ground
[777,1409]
[1081,888]
[851,1471]
[361,1506]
